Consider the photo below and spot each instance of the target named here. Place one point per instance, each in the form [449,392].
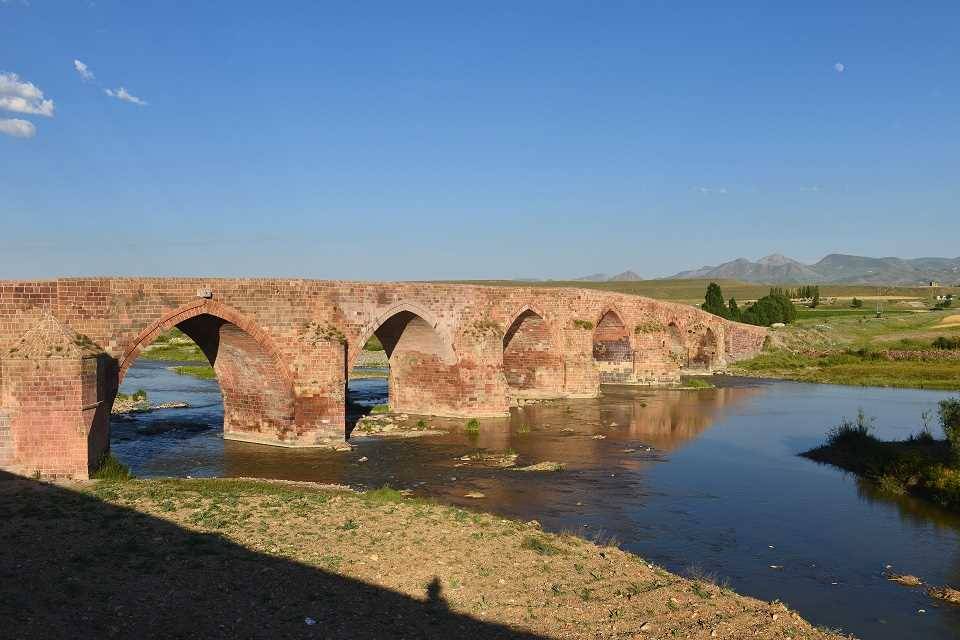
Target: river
[720,491]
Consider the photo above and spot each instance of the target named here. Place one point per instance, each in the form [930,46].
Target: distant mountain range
[626,276]
[835,268]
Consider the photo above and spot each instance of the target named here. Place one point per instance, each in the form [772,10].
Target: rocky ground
[254,559]
[128,404]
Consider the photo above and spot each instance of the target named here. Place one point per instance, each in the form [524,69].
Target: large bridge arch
[424,367]
[257,390]
[532,359]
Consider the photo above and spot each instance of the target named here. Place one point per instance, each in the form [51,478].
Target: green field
[855,348]
[693,290]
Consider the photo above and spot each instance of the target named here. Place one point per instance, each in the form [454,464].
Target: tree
[856,303]
[815,301]
[713,301]
[770,309]
[733,310]
[950,421]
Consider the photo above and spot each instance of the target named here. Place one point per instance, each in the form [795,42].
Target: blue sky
[472,140]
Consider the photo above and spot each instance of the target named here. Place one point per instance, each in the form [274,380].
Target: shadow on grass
[73,566]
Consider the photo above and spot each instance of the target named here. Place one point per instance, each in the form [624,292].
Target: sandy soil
[207,558]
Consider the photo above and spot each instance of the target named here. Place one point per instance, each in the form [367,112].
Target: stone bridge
[282,351]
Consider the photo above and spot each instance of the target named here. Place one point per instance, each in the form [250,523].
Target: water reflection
[681,477]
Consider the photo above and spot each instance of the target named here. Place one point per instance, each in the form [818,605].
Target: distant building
[934,283]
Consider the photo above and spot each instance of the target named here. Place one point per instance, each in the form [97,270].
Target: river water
[696,481]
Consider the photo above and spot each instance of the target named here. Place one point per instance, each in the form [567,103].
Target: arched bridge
[282,350]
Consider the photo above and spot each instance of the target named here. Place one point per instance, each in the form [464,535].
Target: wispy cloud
[83,70]
[813,188]
[19,96]
[126,96]
[720,190]
[17,128]
[839,67]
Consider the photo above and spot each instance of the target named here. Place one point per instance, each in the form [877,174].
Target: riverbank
[920,465]
[892,351]
[139,403]
[227,558]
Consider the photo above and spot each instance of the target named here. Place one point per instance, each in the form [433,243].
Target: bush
[946,343]
[950,421]
[856,303]
[851,433]
[110,468]
[770,309]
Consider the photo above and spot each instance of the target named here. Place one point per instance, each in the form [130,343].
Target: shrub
[770,309]
[110,468]
[380,408]
[851,432]
[473,426]
[856,303]
[946,343]
[950,421]
[540,545]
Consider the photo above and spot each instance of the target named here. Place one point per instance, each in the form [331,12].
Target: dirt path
[245,559]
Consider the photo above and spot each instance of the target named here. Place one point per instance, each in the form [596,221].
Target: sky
[469,140]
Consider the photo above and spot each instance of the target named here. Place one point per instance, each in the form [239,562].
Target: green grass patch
[380,408]
[202,371]
[112,469]
[373,344]
[697,383]
[384,495]
[540,545]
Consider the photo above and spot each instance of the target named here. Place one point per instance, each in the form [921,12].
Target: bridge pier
[56,390]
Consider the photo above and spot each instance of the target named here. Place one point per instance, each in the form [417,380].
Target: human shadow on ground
[74,566]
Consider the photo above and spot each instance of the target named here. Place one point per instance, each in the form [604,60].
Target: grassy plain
[859,349]
[255,559]
[692,290]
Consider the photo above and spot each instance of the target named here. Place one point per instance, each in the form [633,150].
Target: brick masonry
[282,349]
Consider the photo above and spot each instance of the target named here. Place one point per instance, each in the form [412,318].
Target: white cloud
[839,67]
[814,188]
[126,96]
[22,97]
[83,70]
[17,128]
[721,190]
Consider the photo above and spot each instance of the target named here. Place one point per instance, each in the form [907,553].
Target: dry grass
[258,559]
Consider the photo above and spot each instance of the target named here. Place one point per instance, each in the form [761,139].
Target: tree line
[771,308]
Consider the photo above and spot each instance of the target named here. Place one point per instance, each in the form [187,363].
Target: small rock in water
[599,436]
[363,459]
[776,566]
[309,622]
[474,494]
[629,450]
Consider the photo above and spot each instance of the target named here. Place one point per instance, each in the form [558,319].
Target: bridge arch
[612,348]
[676,346]
[704,347]
[258,395]
[532,362]
[424,366]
